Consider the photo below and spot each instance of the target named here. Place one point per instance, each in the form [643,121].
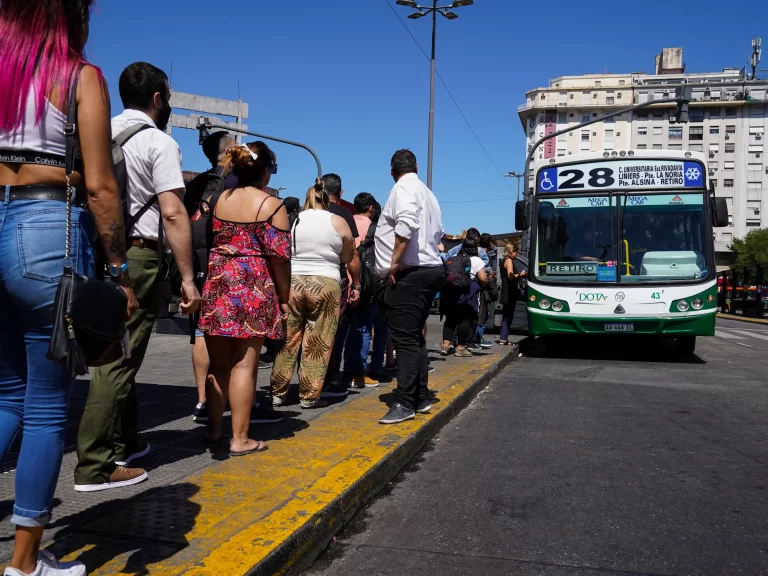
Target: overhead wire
[448,90]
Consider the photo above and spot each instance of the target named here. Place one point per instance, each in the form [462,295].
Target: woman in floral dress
[246,293]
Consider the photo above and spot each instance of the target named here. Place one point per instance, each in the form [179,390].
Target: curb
[741,318]
[305,545]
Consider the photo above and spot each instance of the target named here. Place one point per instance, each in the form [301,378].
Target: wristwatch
[115,270]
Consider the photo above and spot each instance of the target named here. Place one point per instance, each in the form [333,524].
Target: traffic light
[683,95]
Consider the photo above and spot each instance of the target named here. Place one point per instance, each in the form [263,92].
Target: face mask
[165,115]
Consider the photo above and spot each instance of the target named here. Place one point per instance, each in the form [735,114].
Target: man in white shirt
[108,438]
[407,237]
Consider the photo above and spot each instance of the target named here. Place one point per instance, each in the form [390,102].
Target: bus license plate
[625,327]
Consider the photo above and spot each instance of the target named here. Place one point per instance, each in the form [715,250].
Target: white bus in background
[621,242]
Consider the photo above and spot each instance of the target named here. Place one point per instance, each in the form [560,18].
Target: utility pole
[445,11]
[518,176]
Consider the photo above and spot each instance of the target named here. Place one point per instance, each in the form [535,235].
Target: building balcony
[576,103]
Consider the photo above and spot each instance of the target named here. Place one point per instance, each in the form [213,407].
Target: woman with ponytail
[245,296]
[321,243]
[44,75]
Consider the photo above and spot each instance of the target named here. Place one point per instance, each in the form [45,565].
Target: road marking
[721,334]
[745,345]
[759,336]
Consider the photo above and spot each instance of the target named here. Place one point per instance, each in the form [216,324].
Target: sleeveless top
[316,245]
[47,136]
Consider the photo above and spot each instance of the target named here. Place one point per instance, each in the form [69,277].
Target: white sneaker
[47,565]
[132,457]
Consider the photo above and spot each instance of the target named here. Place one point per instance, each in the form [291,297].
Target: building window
[696,115]
[730,129]
[584,118]
[753,223]
[714,112]
[642,115]
[658,113]
[658,130]
[755,147]
[562,118]
[695,133]
[597,83]
[608,138]
[713,164]
[728,165]
[730,112]
[618,96]
[610,120]
[622,82]
[594,96]
[543,97]
[696,147]
[755,167]
[642,146]
[728,183]
[714,129]
[727,237]
[642,131]
[730,148]
[730,220]
[714,148]
[657,146]
[609,99]
[675,133]
[570,96]
[584,138]
[675,147]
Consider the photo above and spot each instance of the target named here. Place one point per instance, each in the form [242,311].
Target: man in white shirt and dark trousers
[407,237]
[108,439]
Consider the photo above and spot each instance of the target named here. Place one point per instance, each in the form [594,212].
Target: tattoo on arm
[117,238]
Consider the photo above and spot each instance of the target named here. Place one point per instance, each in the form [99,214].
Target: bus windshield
[624,238]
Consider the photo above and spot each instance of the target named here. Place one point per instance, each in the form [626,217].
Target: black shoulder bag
[89,314]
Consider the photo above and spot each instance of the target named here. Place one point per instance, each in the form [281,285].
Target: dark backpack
[457,273]
[371,283]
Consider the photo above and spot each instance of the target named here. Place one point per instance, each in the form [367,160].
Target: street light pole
[431,137]
[447,12]
[518,176]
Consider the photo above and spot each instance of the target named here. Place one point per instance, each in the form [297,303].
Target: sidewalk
[203,513]
[742,318]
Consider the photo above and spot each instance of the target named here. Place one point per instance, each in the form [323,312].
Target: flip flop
[260,447]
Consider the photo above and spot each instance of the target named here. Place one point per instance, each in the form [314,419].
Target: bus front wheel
[686,345]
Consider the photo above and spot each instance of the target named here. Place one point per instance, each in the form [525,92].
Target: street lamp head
[409,3]
[460,3]
[450,15]
[417,15]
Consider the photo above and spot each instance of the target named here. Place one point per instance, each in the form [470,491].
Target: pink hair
[41,42]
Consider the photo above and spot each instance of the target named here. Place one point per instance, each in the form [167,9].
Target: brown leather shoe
[120,478]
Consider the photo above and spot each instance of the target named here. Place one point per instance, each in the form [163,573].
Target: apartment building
[727,121]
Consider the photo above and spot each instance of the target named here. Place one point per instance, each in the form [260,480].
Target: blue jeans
[35,392]
[358,340]
[380,338]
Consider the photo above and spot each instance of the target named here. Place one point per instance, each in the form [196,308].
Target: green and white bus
[621,242]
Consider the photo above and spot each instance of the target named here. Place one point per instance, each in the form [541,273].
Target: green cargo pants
[109,429]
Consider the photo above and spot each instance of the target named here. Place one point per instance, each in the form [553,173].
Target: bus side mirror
[521,220]
[720,214]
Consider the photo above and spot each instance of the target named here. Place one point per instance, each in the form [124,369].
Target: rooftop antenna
[757,50]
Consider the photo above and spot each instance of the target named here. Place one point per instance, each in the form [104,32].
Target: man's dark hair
[212,146]
[469,246]
[485,240]
[473,233]
[376,214]
[332,183]
[403,162]
[292,204]
[363,201]
[138,84]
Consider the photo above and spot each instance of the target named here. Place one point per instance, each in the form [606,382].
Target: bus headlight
[557,306]
[683,305]
[544,303]
[697,303]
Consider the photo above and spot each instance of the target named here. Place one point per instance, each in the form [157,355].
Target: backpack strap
[129,133]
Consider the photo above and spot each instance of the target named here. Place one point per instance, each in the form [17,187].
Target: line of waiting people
[254,290]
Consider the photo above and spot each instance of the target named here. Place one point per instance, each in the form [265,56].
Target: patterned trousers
[312,326]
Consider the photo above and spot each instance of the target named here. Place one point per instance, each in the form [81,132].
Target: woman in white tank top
[321,243]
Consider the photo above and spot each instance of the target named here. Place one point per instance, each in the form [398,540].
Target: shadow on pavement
[598,347]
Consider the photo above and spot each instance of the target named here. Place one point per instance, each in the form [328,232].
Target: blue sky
[346,78]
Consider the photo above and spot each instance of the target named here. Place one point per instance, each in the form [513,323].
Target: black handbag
[89,314]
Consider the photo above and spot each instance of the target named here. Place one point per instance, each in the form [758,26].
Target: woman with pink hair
[42,72]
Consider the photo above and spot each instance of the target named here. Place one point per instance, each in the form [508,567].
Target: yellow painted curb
[275,507]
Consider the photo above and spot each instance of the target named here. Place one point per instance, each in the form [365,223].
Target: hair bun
[241,157]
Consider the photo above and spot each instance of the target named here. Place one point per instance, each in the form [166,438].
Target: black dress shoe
[397,413]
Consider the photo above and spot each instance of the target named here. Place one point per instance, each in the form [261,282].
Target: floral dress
[239,295]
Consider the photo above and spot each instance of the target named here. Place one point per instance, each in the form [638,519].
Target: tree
[752,249]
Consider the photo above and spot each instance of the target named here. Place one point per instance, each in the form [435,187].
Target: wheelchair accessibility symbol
[545,184]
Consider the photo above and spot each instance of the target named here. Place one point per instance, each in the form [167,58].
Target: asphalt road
[606,456]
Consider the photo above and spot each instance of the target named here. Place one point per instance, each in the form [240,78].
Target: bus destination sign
[641,173]
[572,268]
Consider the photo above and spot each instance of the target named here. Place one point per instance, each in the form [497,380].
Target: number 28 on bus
[622,242]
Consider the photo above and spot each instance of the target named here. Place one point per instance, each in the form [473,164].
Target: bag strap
[125,135]
[70,130]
